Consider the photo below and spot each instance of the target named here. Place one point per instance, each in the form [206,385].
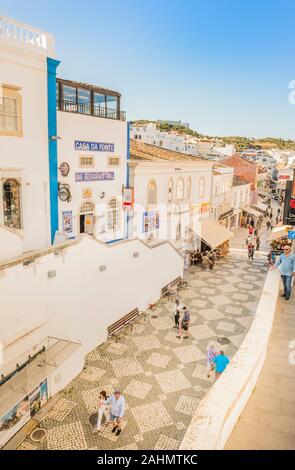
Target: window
[69,94]
[99,104]
[113,214]
[86,162]
[202,187]
[112,106]
[114,161]
[10,111]
[170,190]
[87,208]
[189,188]
[180,188]
[152,194]
[84,101]
[12,203]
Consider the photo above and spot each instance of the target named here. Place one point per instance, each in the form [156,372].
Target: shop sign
[64,192]
[284,177]
[128,198]
[95,176]
[151,221]
[87,193]
[64,169]
[67,221]
[94,146]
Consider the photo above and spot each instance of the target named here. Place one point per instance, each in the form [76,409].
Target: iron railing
[95,110]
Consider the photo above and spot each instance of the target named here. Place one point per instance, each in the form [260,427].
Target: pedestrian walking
[250,229]
[221,361]
[257,243]
[268,224]
[251,251]
[270,215]
[117,410]
[256,232]
[279,211]
[286,265]
[277,220]
[248,240]
[184,323]
[102,408]
[177,312]
[211,355]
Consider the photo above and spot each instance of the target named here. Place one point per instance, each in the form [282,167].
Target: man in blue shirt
[117,410]
[221,361]
[286,262]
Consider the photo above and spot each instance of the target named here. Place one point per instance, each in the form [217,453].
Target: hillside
[239,142]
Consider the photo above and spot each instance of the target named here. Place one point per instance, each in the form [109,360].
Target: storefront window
[12,203]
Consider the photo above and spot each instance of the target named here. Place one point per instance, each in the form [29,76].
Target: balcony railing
[86,108]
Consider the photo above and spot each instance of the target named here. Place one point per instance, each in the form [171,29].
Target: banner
[151,221]
[128,198]
[67,221]
[289,206]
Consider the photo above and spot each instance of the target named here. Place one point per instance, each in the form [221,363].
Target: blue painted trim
[127,174]
[114,241]
[52,65]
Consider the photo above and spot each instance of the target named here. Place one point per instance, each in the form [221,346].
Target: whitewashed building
[92,159]
[26,58]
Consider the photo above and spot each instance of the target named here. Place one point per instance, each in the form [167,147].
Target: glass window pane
[2,122]
[69,93]
[11,123]
[10,105]
[112,102]
[84,101]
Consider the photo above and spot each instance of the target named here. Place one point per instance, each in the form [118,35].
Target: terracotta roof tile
[141,151]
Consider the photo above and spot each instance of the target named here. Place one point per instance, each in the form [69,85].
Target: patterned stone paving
[163,378]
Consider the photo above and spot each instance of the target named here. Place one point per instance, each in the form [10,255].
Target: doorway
[86,218]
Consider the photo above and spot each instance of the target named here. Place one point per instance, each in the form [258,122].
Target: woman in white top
[103,407]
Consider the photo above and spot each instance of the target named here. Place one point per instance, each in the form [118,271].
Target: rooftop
[141,151]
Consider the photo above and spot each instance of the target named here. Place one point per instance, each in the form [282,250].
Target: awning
[252,211]
[24,381]
[211,233]
[279,232]
[261,206]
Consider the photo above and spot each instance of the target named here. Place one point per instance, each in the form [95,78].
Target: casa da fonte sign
[95,176]
[94,146]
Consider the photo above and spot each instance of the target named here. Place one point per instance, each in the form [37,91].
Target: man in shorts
[117,410]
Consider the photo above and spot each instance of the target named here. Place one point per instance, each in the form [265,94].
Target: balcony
[98,111]
[90,100]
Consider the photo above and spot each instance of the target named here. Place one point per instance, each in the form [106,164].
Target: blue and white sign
[291,234]
[94,146]
[95,176]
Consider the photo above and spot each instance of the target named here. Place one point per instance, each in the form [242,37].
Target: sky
[224,66]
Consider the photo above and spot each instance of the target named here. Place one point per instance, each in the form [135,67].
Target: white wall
[11,245]
[73,127]
[218,412]
[24,66]
[81,301]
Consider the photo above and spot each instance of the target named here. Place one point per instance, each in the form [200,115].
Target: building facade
[92,160]
[25,55]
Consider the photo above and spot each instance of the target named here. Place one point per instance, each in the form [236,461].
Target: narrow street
[162,378]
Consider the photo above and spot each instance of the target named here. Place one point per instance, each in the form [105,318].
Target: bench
[178,282]
[128,320]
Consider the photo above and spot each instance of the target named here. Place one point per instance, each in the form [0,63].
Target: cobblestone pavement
[162,378]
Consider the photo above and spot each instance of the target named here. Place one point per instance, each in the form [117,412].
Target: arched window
[170,190]
[189,188]
[202,187]
[87,208]
[180,188]
[12,203]
[151,194]
[113,214]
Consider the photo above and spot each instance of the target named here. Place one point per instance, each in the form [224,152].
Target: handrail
[87,109]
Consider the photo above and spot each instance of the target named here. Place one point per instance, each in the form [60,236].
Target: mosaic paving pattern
[163,378]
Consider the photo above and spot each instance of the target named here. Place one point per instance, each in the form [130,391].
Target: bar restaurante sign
[95,176]
[94,146]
